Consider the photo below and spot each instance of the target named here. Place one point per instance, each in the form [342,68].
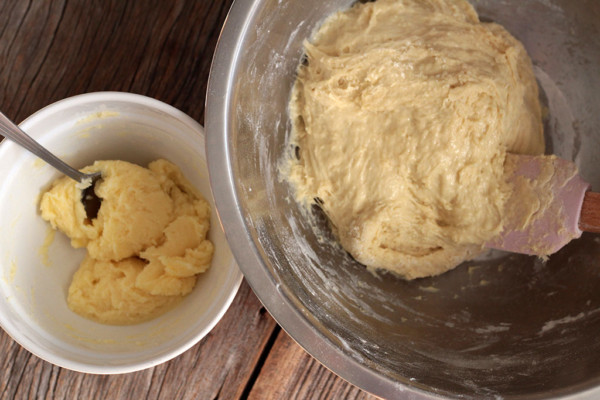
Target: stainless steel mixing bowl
[503,326]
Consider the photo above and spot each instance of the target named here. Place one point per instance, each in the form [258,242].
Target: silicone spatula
[565,206]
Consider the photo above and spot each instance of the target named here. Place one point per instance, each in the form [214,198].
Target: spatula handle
[589,220]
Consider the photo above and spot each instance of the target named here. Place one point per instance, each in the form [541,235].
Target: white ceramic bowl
[33,290]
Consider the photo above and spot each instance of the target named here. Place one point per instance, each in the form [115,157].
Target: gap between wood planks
[261,360]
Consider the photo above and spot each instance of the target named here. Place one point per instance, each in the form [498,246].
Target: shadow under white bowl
[34,281]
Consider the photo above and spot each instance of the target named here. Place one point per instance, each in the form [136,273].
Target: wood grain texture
[53,49]
[291,373]
[219,367]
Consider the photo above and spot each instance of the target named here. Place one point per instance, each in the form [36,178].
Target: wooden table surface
[50,50]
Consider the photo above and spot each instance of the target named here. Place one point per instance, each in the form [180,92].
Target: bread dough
[402,117]
[146,246]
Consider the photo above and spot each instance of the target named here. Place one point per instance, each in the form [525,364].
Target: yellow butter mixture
[402,116]
[144,249]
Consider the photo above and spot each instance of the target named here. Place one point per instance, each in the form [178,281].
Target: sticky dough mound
[403,115]
[146,246]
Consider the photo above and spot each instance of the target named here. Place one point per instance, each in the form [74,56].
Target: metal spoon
[90,200]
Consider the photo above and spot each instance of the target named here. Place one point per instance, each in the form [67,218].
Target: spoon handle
[589,220]
[11,131]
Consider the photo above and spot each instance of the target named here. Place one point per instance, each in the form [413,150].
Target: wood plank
[291,373]
[55,49]
[219,367]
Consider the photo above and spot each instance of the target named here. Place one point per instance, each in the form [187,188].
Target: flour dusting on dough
[402,117]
